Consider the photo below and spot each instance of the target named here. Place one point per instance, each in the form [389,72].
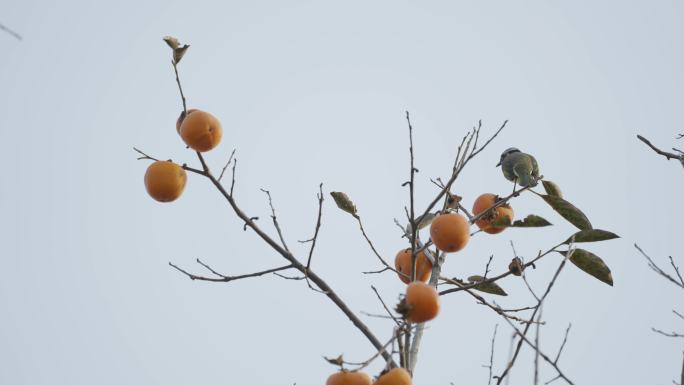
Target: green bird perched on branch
[519,167]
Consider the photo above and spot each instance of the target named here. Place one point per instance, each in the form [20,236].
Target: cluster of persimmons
[449,232]
[201,131]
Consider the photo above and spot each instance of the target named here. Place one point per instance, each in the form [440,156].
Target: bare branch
[412,216]
[225,278]
[502,275]
[534,313]
[667,155]
[180,88]
[536,343]
[523,338]
[660,271]
[273,215]
[375,251]
[11,32]
[294,263]
[143,155]
[223,170]
[318,226]
[385,306]
[363,365]
[459,167]
[673,334]
[565,340]
[491,357]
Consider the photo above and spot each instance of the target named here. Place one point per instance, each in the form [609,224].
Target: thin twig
[666,154]
[565,340]
[536,343]
[274,218]
[384,305]
[294,262]
[11,32]
[502,275]
[318,226]
[180,88]
[143,155]
[225,278]
[660,271]
[523,338]
[223,170]
[666,334]
[457,170]
[534,313]
[363,365]
[491,357]
[370,243]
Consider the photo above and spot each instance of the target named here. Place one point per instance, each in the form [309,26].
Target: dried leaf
[344,203]
[339,360]
[531,221]
[552,189]
[571,213]
[179,52]
[591,264]
[487,287]
[516,266]
[592,235]
[172,42]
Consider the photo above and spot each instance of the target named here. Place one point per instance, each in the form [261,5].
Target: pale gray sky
[313,92]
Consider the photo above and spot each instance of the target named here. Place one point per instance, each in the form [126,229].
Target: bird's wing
[535,166]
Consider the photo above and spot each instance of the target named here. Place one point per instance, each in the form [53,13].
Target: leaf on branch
[591,264]
[568,211]
[344,203]
[172,42]
[531,221]
[593,235]
[179,52]
[487,287]
[552,189]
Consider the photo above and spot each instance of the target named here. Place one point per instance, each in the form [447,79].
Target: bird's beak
[498,164]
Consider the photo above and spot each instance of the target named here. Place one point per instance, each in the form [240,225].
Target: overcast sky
[311,92]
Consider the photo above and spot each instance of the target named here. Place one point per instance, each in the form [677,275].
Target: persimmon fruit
[396,376]
[201,131]
[165,180]
[349,378]
[486,223]
[403,265]
[450,232]
[181,117]
[421,302]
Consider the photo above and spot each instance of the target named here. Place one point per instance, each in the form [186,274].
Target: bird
[519,167]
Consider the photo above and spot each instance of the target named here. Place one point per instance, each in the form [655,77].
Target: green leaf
[487,287]
[344,203]
[593,235]
[591,264]
[552,189]
[566,209]
[531,221]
